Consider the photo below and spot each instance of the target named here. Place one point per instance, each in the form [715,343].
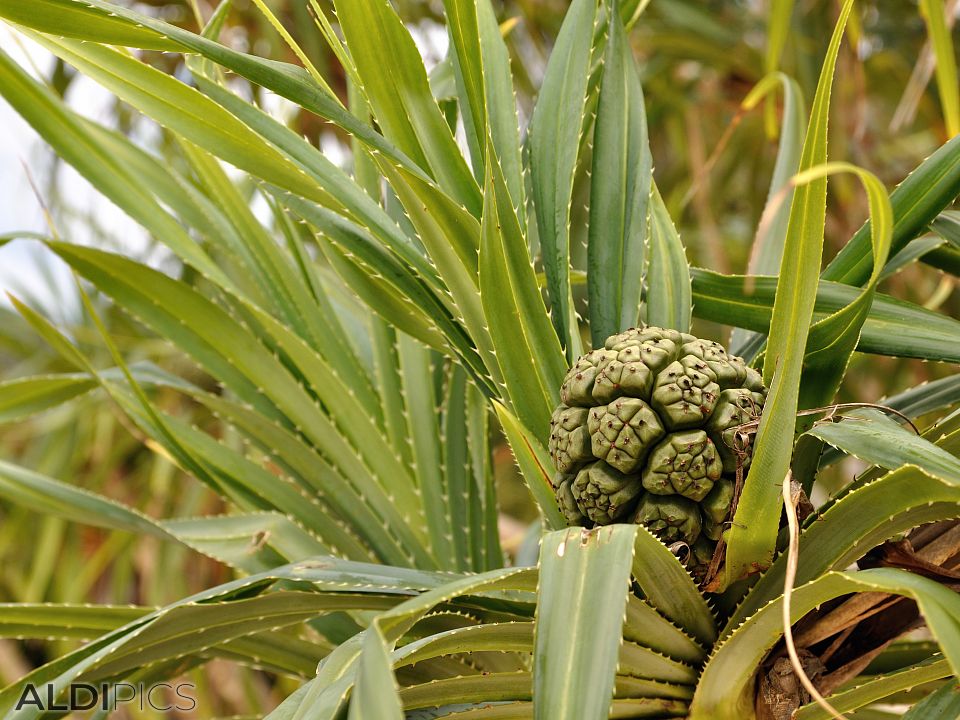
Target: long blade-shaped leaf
[648,628]
[62,18]
[31,489]
[390,287]
[416,373]
[554,141]
[916,202]
[387,372]
[466,58]
[502,119]
[72,141]
[927,397]
[186,111]
[376,694]
[915,250]
[892,327]
[289,81]
[249,541]
[876,438]
[485,85]
[832,340]
[191,628]
[668,296]
[451,236]
[486,549]
[619,192]
[455,465]
[771,232]
[944,703]
[535,466]
[48,620]
[23,397]
[518,320]
[668,587]
[879,688]
[935,14]
[310,316]
[400,97]
[584,580]
[351,200]
[754,530]
[778,30]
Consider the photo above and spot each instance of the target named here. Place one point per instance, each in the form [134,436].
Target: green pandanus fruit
[649,430]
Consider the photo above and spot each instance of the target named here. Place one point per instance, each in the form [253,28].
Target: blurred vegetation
[699,58]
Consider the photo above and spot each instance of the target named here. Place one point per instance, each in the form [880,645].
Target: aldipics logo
[162,697]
